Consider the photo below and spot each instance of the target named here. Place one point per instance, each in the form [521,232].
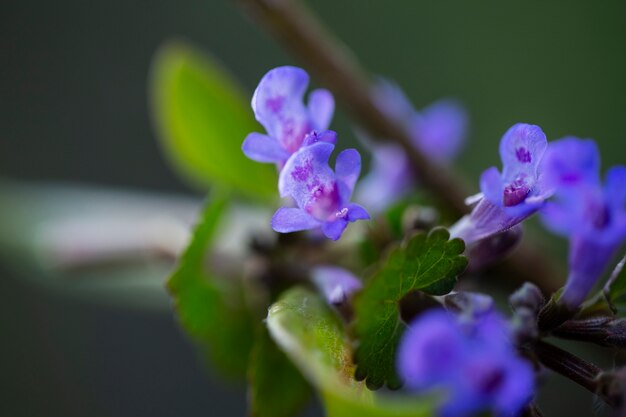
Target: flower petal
[326,136]
[491,186]
[440,129]
[305,170]
[278,105]
[348,169]
[571,162]
[389,179]
[262,148]
[521,150]
[287,219]
[356,212]
[615,187]
[334,229]
[321,108]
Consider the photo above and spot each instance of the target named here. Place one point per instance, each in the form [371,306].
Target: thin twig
[337,68]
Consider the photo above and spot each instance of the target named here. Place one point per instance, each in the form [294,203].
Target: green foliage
[202,118]
[427,262]
[211,309]
[314,338]
[277,388]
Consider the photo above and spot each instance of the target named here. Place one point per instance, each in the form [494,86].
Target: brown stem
[337,68]
[570,366]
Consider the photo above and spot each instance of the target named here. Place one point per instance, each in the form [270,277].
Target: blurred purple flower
[321,195]
[438,131]
[593,216]
[389,180]
[474,362]
[337,284]
[509,197]
[278,104]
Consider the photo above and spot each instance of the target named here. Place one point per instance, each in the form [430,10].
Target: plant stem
[302,34]
[570,366]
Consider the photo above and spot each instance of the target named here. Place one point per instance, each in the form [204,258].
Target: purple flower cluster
[438,131]
[591,214]
[508,197]
[472,361]
[299,145]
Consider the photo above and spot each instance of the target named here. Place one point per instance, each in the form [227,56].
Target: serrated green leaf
[202,118]
[426,262]
[276,386]
[211,309]
[314,338]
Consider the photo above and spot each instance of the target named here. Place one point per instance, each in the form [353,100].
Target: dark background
[73,107]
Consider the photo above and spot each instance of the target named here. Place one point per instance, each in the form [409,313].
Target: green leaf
[276,387]
[202,118]
[212,310]
[314,338]
[427,262]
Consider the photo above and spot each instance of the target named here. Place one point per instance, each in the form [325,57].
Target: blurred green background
[74,108]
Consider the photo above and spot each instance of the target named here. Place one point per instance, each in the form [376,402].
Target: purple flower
[474,363]
[593,216]
[390,178]
[438,131]
[337,284]
[321,195]
[509,197]
[278,105]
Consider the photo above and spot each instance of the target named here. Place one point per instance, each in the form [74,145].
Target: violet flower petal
[262,148]
[321,108]
[348,169]
[389,180]
[278,105]
[289,219]
[306,169]
[333,230]
[440,129]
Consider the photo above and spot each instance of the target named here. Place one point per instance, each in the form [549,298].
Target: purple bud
[321,195]
[278,104]
[474,362]
[509,197]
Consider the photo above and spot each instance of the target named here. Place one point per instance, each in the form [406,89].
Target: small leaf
[277,388]
[202,118]
[211,309]
[429,263]
[314,338]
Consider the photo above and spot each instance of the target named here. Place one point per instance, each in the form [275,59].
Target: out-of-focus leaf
[277,388]
[427,262]
[314,338]
[202,118]
[211,309]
